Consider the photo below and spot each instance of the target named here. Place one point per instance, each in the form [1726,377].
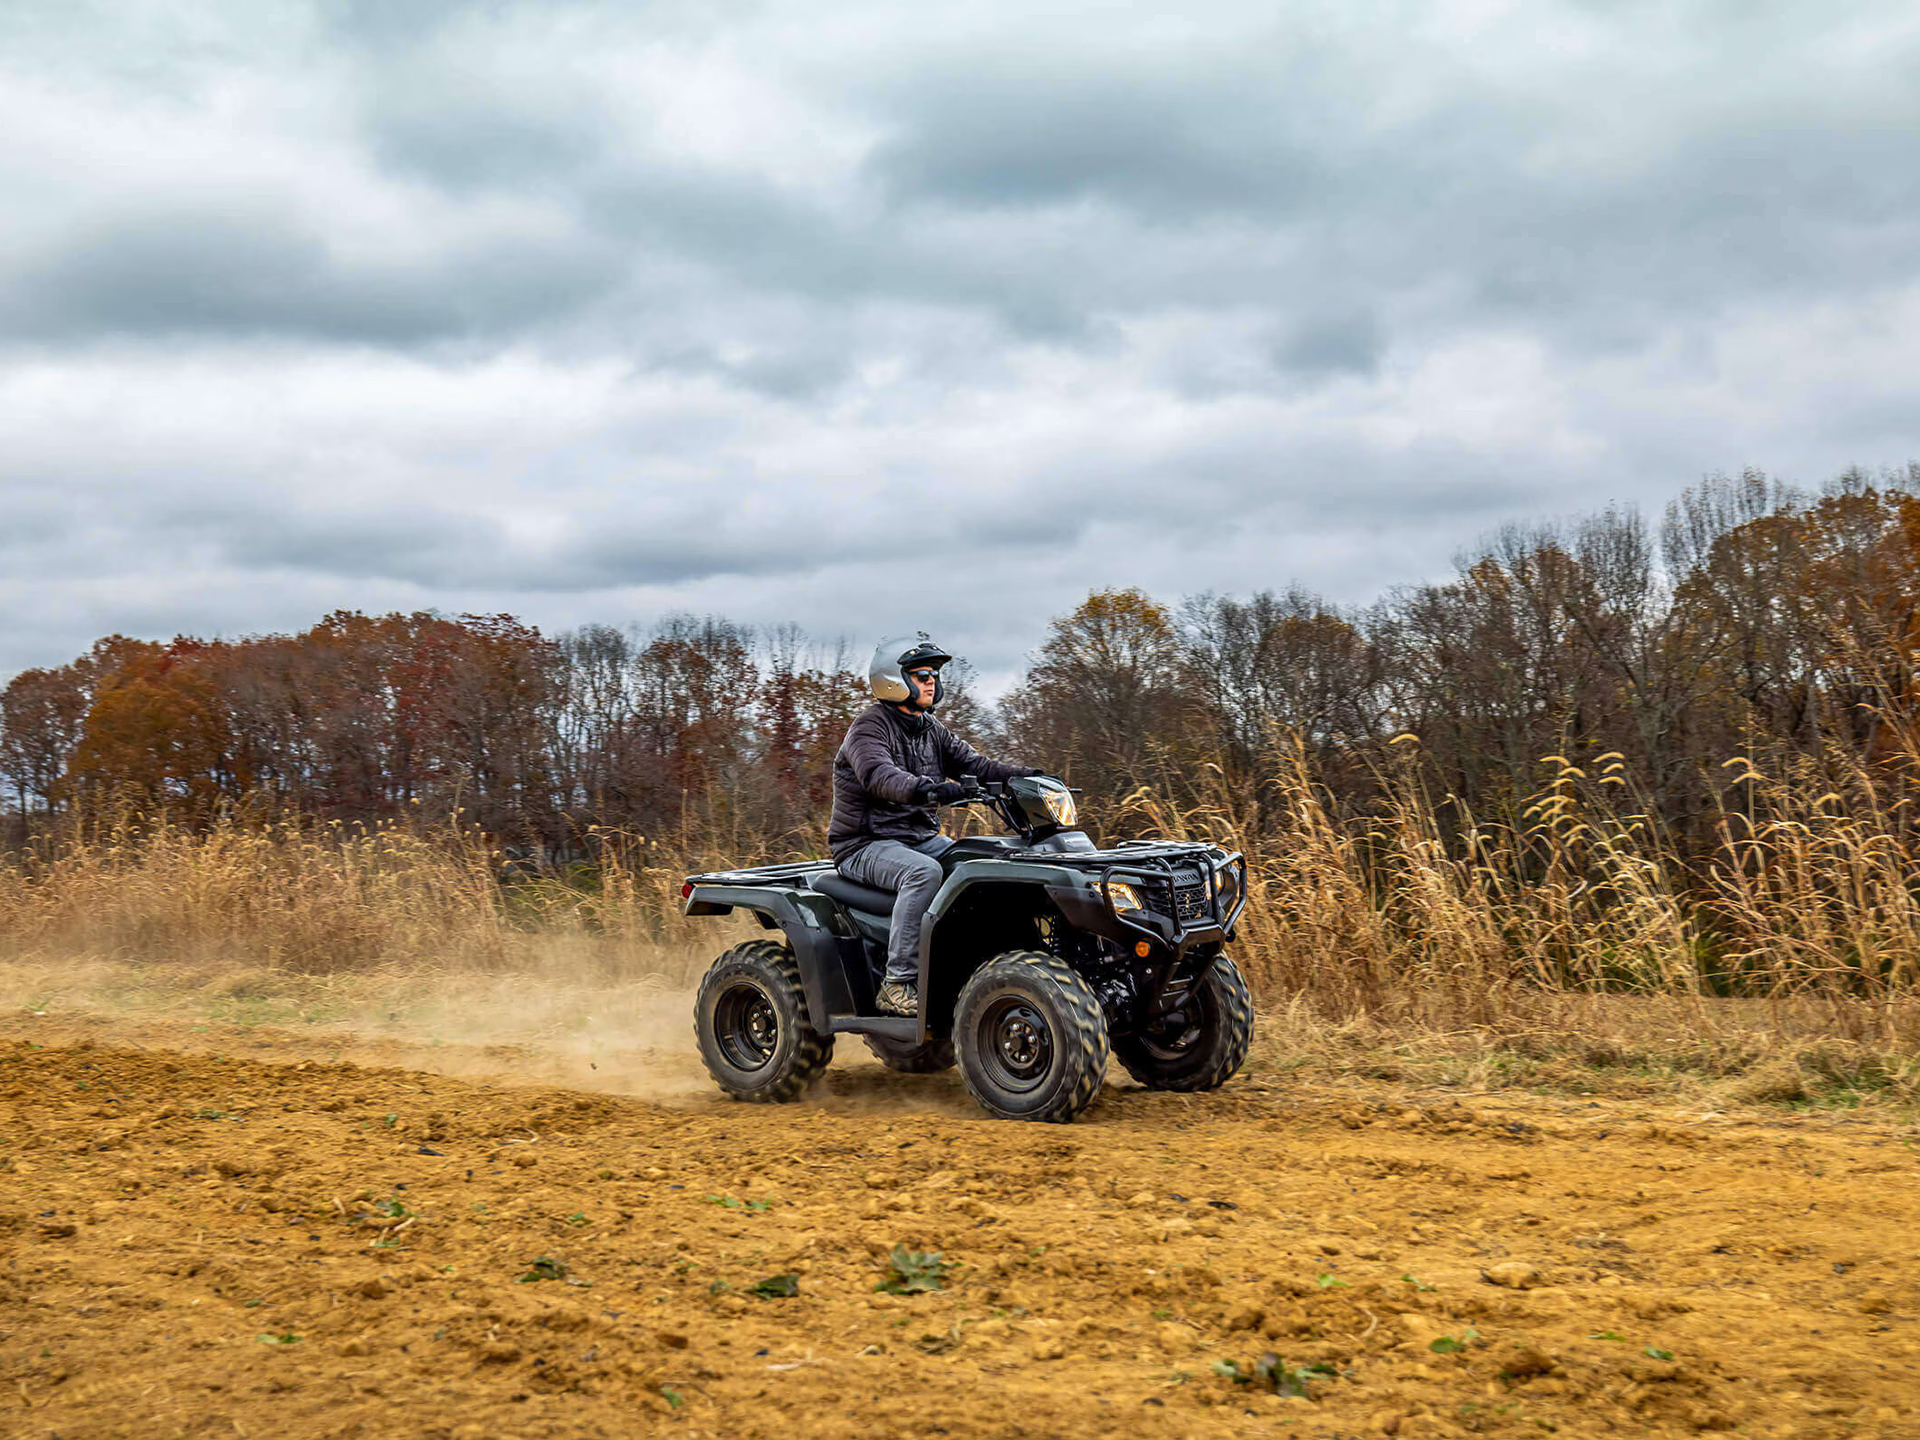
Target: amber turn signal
[1142,948]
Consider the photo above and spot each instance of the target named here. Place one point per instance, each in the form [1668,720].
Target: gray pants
[912,872]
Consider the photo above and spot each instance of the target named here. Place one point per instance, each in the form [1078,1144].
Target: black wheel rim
[1015,1042]
[746,1026]
[1178,1034]
[1172,1039]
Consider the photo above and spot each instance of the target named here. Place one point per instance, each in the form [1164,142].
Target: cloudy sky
[881,316]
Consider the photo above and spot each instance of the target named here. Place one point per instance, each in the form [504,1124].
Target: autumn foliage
[1608,754]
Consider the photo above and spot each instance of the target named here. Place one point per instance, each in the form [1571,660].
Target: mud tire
[1031,1037]
[1211,1050]
[906,1058]
[750,1018]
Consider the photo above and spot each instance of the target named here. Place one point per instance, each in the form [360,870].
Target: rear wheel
[1201,1045]
[909,1058]
[1031,1037]
[751,1021]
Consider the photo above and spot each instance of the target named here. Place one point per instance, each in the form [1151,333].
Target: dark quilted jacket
[879,769]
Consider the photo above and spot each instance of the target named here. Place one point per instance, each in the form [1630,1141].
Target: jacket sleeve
[866,751]
[958,758]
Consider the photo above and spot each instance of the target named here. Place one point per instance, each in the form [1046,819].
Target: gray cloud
[589,311]
[165,272]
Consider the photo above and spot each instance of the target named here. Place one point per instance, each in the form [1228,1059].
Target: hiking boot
[896,997]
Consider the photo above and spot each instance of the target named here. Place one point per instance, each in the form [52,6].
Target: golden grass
[1573,937]
[1579,931]
[291,895]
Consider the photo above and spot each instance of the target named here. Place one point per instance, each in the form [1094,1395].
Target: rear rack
[797,874]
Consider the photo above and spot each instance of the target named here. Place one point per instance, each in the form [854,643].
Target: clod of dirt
[1528,1360]
[352,1349]
[1513,1274]
[1872,1302]
[1048,1347]
[523,1159]
[1246,1317]
[499,1352]
[376,1288]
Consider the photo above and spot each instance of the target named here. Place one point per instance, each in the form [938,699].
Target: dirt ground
[217,1232]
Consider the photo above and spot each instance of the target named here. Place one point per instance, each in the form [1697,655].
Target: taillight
[686,889]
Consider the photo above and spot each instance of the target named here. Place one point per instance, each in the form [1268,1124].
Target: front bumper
[1091,907]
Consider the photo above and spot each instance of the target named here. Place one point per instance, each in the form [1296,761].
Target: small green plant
[1656,1353]
[1284,1379]
[1328,1282]
[579,1217]
[912,1272]
[728,1202]
[392,1208]
[285,1338]
[209,1114]
[1416,1284]
[672,1396]
[1453,1345]
[1163,1313]
[545,1268]
[1606,1335]
[1275,1374]
[776,1287]
[719,1287]
[390,1121]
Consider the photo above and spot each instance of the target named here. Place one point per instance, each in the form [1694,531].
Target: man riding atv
[896,766]
[1038,953]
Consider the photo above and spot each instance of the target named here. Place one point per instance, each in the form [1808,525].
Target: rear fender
[807,920]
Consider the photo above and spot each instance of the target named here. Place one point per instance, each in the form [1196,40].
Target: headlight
[1226,884]
[1124,896]
[1060,805]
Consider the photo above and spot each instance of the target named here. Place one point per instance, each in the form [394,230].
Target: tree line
[1751,619]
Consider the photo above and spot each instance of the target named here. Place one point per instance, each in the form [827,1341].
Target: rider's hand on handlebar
[946,792]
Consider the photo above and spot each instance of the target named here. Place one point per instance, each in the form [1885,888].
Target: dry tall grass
[1580,931]
[1574,932]
[293,895]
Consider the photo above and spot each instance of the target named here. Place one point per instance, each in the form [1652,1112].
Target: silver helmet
[894,657]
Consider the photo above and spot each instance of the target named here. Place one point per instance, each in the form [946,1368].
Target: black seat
[852,892]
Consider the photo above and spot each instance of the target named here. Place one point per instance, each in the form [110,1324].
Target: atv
[1039,953]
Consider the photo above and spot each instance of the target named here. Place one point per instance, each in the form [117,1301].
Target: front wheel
[750,1018]
[1031,1037]
[910,1059]
[1203,1043]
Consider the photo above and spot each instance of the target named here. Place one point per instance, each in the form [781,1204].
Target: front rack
[1155,871]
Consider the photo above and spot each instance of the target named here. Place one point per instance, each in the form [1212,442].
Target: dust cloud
[563,1022]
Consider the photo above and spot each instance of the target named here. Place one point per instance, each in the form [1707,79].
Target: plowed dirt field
[271,1241]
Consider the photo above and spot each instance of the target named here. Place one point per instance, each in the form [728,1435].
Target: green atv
[1039,953]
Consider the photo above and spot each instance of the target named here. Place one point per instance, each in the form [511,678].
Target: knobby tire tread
[1236,1014]
[1085,1020]
[812,1051]
[928,1059]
